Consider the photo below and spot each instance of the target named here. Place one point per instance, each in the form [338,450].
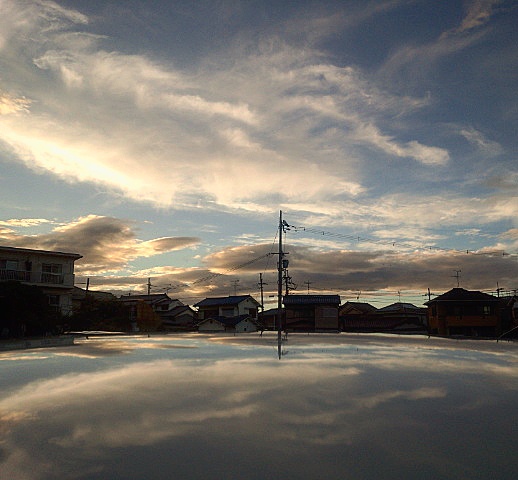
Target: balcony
[19,275]
[54,278]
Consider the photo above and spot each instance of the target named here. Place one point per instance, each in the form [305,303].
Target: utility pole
[308,283]
[287,278]
[261,283]
[279,289]
[457,276]
[235,282]
[149,286]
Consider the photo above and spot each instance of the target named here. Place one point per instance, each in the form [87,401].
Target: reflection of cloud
[378,392]
[419,394]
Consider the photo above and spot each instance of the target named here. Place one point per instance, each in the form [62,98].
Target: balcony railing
[55,278]
[20,275]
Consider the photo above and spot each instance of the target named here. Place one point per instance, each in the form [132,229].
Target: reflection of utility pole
[308,283]
[457,276]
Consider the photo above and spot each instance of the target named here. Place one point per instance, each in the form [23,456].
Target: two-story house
[53,272]
[464,312]
[233,306]
[228,314]
[311,312]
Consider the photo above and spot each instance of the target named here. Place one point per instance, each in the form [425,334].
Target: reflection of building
[53,272]
[239,324]
[464,312]
[311,312]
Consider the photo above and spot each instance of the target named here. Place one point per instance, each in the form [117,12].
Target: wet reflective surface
[194,406]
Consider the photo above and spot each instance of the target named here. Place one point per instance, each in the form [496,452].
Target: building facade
[53,272]
[311,313]
[464,312]
[232,306]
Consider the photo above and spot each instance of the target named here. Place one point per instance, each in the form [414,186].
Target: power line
[359,239]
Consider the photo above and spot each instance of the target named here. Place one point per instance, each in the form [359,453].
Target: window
[52,268]
[52,273]
[486,309]
[54,300]
[9,270]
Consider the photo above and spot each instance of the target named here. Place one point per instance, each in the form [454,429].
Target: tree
[25,310]
[100,314]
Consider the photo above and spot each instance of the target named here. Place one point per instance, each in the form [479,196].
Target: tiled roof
[152,298]
[462,295]
[311,300]
[212,302]
[360,306]
[399,307]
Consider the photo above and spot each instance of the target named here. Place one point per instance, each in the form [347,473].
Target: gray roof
[400,306]
[311,300]
[76,256]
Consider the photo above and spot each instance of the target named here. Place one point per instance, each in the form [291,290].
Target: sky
[161,140]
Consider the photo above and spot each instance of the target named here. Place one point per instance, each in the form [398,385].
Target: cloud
[478,12]
[24,222]
[106,243]
[282,114]
[9,104]
[479,140]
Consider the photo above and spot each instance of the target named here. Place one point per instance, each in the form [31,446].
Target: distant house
[269,319]
[180,317]
[233,306]
[353,315]
[404,317]
[154,311]
[79,295]
[464,312]
[239,324]
[509,316]
[311,312]
[53,272]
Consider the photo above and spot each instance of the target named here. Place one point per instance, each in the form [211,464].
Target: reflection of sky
[188,407]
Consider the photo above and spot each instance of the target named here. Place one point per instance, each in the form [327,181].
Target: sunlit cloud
[105,243]
[173,142]
[24,222]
